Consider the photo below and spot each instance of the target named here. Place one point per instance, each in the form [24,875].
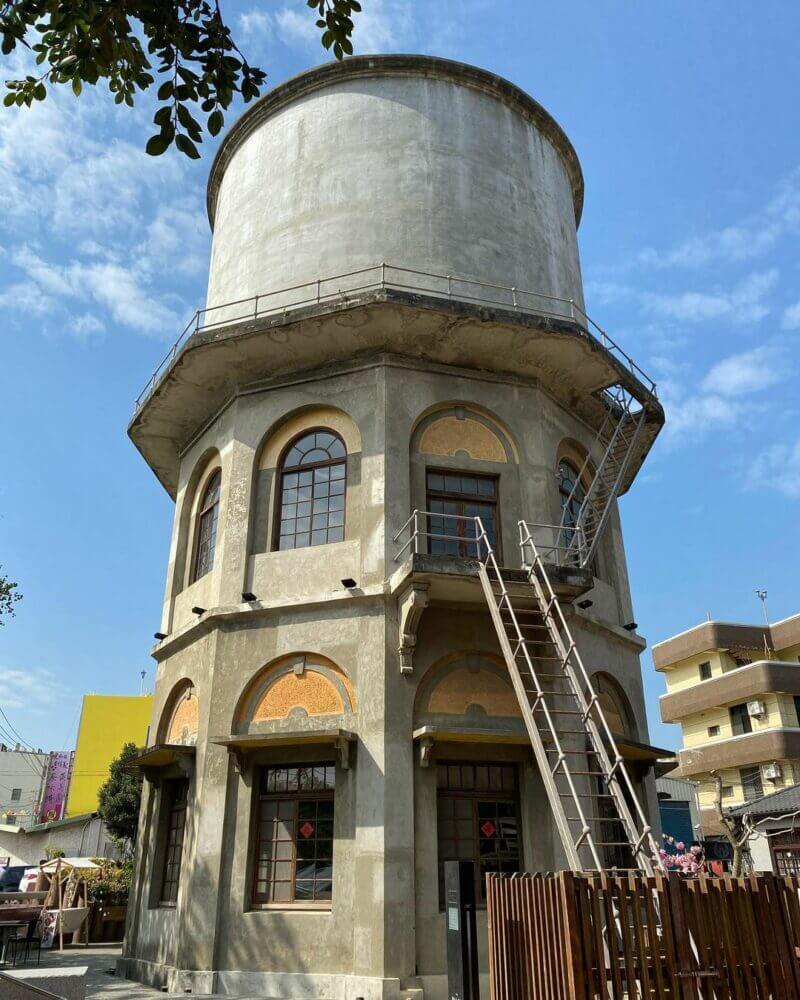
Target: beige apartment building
[735,690]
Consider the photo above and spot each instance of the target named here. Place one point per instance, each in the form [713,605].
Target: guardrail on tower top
[379,276]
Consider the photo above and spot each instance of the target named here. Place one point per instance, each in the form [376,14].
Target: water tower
[392,384]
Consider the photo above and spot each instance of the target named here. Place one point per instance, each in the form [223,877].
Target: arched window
[312,491]
[571,493]
[207,517]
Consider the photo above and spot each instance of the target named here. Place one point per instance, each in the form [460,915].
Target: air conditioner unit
[756,709]
[773,772]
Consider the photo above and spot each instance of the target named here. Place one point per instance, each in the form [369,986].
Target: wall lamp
[248,597]
[159,635]
[348,583]
[630,627]
[198,611]
[583,605]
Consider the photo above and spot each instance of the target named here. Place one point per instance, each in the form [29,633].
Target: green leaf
[163,115]
[157,144]
[9,99]
[165,91]
[76,86]
[185,145]
[215,122]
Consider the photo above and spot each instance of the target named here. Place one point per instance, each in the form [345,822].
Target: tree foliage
[120,798]
[130,44]
[9,596]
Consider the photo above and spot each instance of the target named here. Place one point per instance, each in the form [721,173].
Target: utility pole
[762,596]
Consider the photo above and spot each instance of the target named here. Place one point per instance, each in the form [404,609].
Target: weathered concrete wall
[438,167]
[384,929]
[417,162]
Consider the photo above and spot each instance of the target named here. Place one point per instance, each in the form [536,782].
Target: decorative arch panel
[302,686]
[182,717]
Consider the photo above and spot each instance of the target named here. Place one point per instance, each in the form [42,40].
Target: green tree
[9,596]
[128,44]
[120,798]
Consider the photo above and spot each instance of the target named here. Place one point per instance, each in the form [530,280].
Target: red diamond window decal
[306,829]
[488,829]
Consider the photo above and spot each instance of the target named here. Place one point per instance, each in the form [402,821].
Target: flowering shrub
[678,859]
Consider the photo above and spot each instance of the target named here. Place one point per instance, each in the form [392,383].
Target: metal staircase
[596,810]
[619,438]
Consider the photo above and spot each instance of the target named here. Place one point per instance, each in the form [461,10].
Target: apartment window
[312,491]
[477,818]
[207,528]
[11,819]
[797,708]
[705,671]
[16,794]
[727,791]
[176,797]
[751,783]
[713,730]
[740,720]
[293,860]
[452,497]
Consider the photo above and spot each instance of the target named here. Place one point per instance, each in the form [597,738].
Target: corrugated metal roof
[787,800]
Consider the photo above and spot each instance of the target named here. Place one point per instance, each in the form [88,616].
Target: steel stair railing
[579,761]
[619,437]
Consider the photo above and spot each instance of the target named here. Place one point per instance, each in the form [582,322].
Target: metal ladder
[618,436]
[575,750]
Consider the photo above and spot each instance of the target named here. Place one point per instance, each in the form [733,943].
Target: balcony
[731,688]
[740,751]
[435,318]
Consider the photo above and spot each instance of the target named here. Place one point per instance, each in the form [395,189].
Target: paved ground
[101,960]
[101,984]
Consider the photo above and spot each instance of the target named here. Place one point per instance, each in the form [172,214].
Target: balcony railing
[432,532]
[340,287]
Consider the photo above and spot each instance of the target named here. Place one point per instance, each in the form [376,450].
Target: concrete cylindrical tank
[409,160]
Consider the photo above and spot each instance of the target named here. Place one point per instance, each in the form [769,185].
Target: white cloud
[382,26]
[115,287]
[256,24]
[778,469]
[125,233]
[747,239]
[791,317]
[33,690]
[743,303]
[297,27]
[750,371]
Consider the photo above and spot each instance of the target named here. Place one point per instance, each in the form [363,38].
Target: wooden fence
[573,936]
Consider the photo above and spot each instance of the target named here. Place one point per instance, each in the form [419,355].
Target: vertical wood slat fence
[602,936]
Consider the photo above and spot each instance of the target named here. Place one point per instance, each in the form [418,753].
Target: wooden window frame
[260,901]
[493,501]
[174,819]
[284,471]
[705,670]
[476,794]
[206,510]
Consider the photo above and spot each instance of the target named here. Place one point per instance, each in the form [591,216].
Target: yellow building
[735,690]
[107,723]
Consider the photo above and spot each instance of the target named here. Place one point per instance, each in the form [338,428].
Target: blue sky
[685,119]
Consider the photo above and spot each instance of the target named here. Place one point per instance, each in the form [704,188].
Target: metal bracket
[411,604]
[425,751]
[343,749]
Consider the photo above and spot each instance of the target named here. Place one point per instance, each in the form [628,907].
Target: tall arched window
[312,491]
[571,494]
[207,517]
